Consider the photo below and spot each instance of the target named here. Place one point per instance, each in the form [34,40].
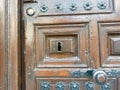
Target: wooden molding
[9,44]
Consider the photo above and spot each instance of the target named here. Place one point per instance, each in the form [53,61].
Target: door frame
[10,46]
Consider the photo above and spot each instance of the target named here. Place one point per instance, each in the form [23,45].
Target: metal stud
[89,86]
[102,5]
[73,7]
[45,86]
[58,7]
[87,5]
[60,86]
[74,86]
[43,8]
[105,86]
[30,11]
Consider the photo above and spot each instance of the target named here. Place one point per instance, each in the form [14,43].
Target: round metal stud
[89,86]
[106,86]
[30,11]
[58,7]
[60,86]
[73,7]
[45,86]
[102,5]
[74,86]
[43,8]
[87,5]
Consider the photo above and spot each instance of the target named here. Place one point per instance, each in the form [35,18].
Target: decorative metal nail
[114,73]
[43,8]
[89,86]
[45,86]
[74,86]
[87,5]
[73,7]
[58,7]
[30,11]
[102,5]
[77,73]
[60,86]
[105,86]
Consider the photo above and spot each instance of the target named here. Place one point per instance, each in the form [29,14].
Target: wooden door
[72,44]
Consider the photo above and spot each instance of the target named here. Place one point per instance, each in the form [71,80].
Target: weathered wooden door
[72,44]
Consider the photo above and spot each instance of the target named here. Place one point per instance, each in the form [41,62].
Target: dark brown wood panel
[57,32]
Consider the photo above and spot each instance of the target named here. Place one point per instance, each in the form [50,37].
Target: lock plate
[61,44]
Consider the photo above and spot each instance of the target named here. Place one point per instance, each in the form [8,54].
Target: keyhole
[59,46]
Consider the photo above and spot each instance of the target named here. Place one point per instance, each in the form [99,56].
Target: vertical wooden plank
[2,47]
[94,43]
[13,44]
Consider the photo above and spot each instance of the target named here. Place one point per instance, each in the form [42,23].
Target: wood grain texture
[94,46]
[12,50]
[3,70]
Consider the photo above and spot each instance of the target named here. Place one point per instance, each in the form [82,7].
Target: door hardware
[87,5]
[30,11]
[89,86]
[102,5]
[74,86]
[99,76]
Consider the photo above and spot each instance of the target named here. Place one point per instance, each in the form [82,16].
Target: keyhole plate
[61,44]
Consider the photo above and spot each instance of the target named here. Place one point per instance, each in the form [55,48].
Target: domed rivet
[101,5]
[73,7]
[87,5]
[58,7]
[74,86]
[106,86]
[89,85]
[30,11]
[43,8]
[60,86]
[45,86]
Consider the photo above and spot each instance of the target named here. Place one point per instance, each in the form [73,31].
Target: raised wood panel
[109,34]
[43,55]
[114,44]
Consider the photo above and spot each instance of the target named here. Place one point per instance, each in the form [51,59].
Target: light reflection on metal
[106,87]
[30,11]
[74,86]
[89,86]
[45,86]
[60,86]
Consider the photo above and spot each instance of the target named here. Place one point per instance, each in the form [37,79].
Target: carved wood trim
[9,44]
